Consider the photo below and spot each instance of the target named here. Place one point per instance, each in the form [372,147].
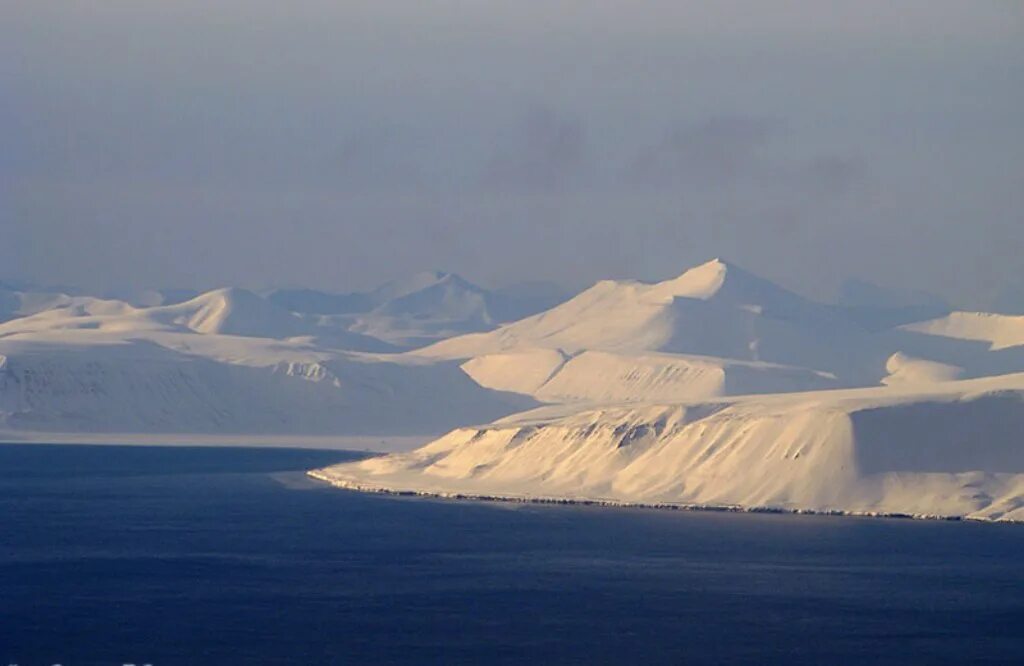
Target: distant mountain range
[422,308]
[719,389]
[718,329]
[699,376]
[234,361]
[405,313]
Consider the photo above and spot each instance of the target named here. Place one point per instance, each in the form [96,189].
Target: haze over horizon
[190,144]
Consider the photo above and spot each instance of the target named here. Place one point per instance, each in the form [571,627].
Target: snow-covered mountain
[233,361]
[997,330]
[314,302]
[951,449]
[227,361]
[427,307]
[177,384]
[22,300]
[419,309]
[714,388]
[706,390]
[230,311]
[602,376]
[715,309]
[714,330]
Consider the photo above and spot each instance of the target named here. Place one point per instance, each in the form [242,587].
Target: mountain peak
[228,294]
[701,282]
[413,283]
[235,311]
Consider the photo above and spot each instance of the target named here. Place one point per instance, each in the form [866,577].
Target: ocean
[114,555]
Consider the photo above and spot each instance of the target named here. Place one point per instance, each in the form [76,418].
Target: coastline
[371,443]
[354,486]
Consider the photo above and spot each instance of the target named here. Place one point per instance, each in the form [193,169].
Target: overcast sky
[338,144]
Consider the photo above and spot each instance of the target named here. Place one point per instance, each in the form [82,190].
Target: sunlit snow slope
[294,362]
[952,450]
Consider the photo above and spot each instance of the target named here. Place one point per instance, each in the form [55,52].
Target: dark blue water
[193,556]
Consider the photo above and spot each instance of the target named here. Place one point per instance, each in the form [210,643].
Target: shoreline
[368,443]
[354,486]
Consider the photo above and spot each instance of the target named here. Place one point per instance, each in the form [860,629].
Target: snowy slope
[18,301]
[428,307]
[948,449]
[227,361]
[314,302]
[761,337]
[244,385]
[999,331]
[715,309]
[598,376]
[905,369]
[419,309]
[232,311]
[434,305]
[719,310]
[230,361]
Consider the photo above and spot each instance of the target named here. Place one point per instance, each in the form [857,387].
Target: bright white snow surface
[905,369]
[953,449]
[714,330]
[225,362]
[1000,331]
[705,391]
[714,388]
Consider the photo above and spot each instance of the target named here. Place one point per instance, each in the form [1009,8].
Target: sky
[336,145]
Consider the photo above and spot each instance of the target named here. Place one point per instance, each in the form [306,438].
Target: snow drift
[905,369]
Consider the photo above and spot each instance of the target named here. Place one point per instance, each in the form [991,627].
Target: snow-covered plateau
[951,450]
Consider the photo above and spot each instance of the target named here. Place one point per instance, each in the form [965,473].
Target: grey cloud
[833,174]
[722,151]
[736,170]
[718,150]
[377,157]
[338,144]
[544,152]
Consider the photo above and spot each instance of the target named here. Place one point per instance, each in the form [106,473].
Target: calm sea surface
[112,555]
